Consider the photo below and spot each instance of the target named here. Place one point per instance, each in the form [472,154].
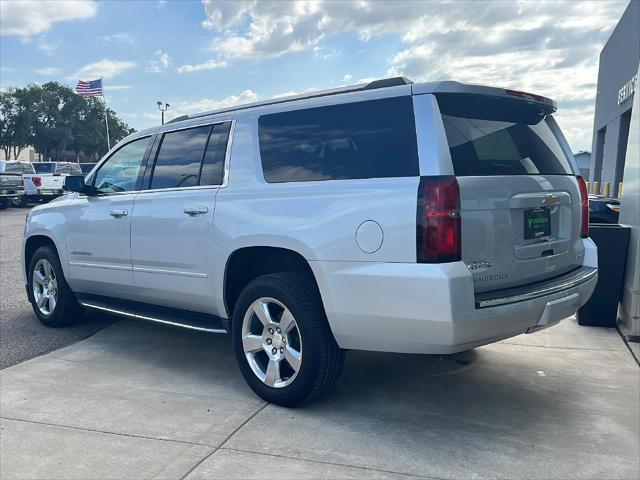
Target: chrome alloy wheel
[45,287]
[272,342]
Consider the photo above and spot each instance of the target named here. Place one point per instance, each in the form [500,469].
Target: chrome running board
[197,321]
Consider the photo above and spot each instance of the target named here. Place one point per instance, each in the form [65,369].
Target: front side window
[179,158]
[120,172]
[372,139]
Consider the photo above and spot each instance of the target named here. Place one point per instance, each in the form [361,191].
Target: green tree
[16,117]
[54,119]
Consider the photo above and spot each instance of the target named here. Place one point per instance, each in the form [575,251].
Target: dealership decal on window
[627,90]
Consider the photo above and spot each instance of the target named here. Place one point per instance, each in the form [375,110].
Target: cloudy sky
[203,55]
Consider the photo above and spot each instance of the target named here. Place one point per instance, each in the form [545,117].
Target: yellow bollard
[596,188]
[620,190]
[607,189]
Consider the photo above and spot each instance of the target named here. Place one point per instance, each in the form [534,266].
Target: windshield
[488,136]
[44,167]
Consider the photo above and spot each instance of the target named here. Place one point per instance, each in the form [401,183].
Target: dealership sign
[627,90]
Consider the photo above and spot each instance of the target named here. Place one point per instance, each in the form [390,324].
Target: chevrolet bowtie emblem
[549,200]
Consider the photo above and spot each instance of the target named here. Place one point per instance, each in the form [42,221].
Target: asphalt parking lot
[136,400]
[21,334]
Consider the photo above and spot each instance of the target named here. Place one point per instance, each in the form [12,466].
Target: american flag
[92,88]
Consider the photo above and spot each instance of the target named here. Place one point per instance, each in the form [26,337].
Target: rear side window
[191,157]
[373,139]
[489,136]
[213,163]
[179,159]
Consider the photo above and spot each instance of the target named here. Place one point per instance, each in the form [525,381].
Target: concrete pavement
[22,336]
[144,401]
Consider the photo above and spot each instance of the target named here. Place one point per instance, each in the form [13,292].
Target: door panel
[98,244]
[99,228]
[171,237]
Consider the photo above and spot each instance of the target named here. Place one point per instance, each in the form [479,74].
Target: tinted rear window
[373,139]
[489,136]
[44,167]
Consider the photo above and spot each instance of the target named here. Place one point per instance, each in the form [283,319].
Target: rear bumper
[417,308]
[49,192]
[11,193]
[535,290]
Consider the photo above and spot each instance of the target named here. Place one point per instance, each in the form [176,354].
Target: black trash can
[602,308]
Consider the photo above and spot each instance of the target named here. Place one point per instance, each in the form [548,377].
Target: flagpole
[106,121]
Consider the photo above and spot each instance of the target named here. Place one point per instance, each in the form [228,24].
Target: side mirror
[75,183]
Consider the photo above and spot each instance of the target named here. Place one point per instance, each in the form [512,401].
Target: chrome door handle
[193,211]
[118,213]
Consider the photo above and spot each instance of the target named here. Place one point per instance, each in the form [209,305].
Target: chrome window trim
[227,158]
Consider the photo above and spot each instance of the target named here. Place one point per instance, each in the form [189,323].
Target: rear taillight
[438,221]
[37,181]
[584,200]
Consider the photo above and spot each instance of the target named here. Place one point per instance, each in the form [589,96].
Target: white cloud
[118,38]
[180,108]
[47,47]
[252,29]
[160,63]
[105,68]
[48,71]
[289,93]
[161,4]
[347,77]
[28,17]
[208,65]
[113,88]
[549,48]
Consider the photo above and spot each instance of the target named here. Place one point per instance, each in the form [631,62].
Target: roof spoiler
[548,105]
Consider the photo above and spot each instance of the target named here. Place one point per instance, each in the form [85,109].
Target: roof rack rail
[375,84]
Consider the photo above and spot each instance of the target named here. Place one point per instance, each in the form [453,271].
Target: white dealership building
[617,82]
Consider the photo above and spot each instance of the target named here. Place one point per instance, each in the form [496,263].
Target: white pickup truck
[46,184]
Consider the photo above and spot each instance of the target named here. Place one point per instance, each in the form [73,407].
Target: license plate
[537,223]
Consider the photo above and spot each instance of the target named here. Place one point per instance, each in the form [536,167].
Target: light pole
[163,108]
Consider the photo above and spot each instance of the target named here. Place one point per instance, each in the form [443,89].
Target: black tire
[67,311]
[4,203]
[21,202]
[322,359]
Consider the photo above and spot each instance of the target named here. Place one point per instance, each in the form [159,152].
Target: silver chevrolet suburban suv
[391,216]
